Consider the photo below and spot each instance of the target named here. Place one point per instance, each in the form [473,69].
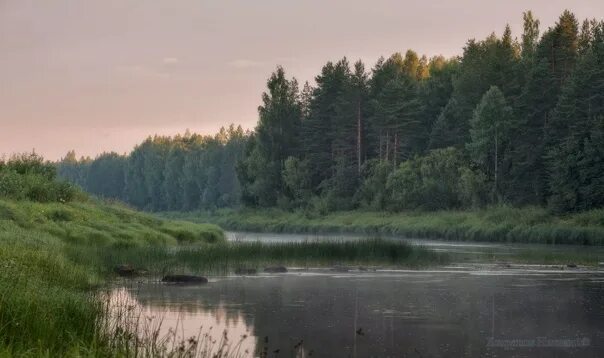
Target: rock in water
[571,265]
[184,279]
[125,270]
[275,269]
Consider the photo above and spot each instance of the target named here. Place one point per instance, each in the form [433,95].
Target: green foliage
[105,176]
[431,182]
[297,182]
[372,193]
[576,157]
[260,173]
[490,131]
[29,164]
[576,180]
[396,116]
[166,173]
[28,177]
[474,188]
[338,190]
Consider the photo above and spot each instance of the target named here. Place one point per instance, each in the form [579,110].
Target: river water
[457,311]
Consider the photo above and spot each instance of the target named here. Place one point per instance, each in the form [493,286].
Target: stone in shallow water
[125,270]
[275,269]
[184,279]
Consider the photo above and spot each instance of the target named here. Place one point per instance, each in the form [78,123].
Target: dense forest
[185,172]
[516,121]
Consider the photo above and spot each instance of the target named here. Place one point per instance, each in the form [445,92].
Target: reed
[493,224]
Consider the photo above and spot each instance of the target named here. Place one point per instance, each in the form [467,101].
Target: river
[455,311]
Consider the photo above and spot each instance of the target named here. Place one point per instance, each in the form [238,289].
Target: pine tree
[320,131]
[275,140]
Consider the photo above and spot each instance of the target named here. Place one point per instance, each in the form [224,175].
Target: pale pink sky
[101,75]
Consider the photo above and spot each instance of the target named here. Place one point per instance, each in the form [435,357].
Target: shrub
[11,185]
[29,163]
[430,182]
[372,191]
[27,177]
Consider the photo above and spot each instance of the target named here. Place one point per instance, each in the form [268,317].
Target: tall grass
[47,302]
[227,257]
[495,224]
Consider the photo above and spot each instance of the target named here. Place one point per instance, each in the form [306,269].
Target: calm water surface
[456,247]
[449,312]
[392,314]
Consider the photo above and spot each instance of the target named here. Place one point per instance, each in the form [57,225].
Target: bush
[27,177]
[297,181]
[11,185]
[29,163]
[372,192]
[338,191]
[474,188]
[430,182]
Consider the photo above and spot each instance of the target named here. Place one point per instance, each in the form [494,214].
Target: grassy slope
[497,224]
[53,256]
[46,271]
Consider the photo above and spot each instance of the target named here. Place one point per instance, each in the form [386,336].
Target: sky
[102,75]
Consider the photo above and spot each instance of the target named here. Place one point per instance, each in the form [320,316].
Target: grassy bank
[55,256]
[496,224]
[47,301]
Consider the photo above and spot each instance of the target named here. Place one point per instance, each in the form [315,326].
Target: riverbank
[48,281]
[56,258]
[496,224]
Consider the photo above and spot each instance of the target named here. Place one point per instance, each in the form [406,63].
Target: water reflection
[390,314]
[221,327]
[458,247]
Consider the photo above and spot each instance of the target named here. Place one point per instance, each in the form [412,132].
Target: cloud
[244,63]
[170,60]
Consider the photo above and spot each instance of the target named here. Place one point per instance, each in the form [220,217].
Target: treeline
[184,172]
[516,121]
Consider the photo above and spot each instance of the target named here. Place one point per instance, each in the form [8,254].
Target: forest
[184,172]
[514,121]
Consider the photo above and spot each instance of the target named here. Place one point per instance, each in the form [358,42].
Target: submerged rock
[184,279]
[275,269]
[245,271]
[125,270]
